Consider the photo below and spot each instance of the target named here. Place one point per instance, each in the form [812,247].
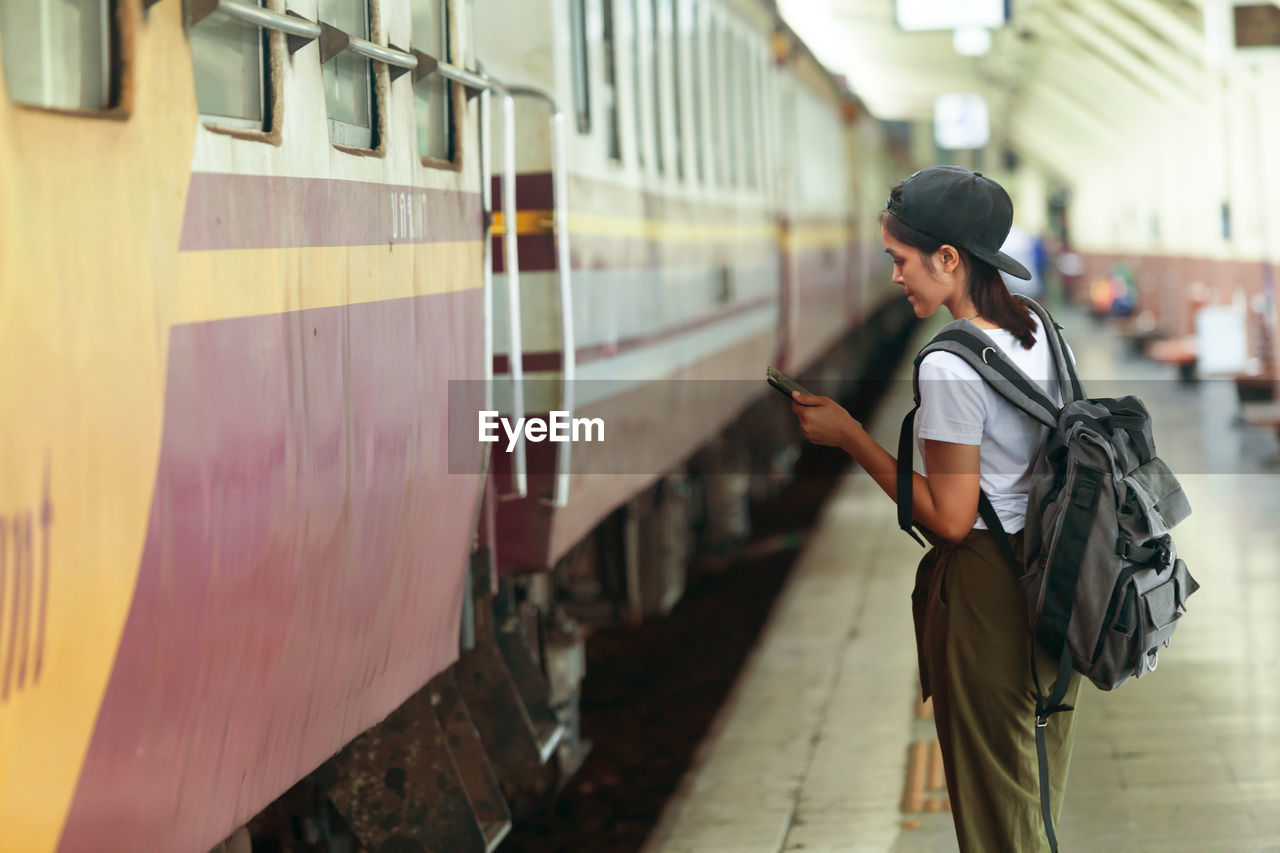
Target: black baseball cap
[966,209]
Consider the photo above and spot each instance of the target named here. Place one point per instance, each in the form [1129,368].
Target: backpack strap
[963,339]
[1068,379]
[1044,709]
[905,483]
[988,360]
[992,520]
[1051,628]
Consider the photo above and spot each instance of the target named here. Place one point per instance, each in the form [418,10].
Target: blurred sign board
[1241,31]
[960,121]
[1256,25]
[951,14]
[1220,340]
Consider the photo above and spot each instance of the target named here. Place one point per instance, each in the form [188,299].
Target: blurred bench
[1179,352]
[1262,415]
[1255,387]
[1139,330]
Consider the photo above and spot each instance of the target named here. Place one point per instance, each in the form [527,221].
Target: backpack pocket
[1146,607]
[1152,501]
[1162,607]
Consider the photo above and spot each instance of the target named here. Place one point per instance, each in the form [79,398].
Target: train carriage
[235,336]
[707,237]
[244,255]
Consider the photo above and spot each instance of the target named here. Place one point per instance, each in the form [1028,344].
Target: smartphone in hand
[784,383]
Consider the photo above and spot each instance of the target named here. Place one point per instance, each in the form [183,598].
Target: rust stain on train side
[27,596]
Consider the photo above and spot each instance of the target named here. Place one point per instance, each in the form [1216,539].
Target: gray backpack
[1102,581]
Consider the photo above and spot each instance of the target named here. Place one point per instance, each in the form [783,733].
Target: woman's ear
[949,257]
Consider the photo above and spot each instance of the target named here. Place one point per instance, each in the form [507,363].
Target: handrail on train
[332,42]
[511,264]
[560,218]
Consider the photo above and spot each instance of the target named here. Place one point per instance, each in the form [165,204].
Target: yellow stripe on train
[533,222]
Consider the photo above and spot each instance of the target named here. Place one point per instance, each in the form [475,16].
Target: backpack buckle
[1042,720]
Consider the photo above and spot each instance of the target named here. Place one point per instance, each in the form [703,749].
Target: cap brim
[1001,261]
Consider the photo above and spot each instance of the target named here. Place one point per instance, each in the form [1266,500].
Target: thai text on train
[558,426]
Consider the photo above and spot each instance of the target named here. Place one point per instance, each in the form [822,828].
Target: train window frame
[746,91]
[638,108]
[729,69]
[653,56]
[121,21]
[353,139]
[454,93]
[609,85]
[715,101]
[272,51]
[762,116]
[697,82]
[580,63]
[675,44]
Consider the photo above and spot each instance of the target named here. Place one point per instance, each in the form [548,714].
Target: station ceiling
[1060,77]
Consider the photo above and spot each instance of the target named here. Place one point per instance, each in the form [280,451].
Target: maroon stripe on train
[537,253]
[303,567]
[552,360]
[226,211]
[590,251]
[534,191]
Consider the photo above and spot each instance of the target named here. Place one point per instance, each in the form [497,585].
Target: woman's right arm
[945,502]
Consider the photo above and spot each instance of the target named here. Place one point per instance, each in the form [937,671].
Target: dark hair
[987,289]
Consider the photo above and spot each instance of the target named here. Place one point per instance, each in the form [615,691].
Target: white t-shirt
[957,406]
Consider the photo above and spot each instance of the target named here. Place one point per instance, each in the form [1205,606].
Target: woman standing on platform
[943,228]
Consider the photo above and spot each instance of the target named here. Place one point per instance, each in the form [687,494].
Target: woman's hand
[823,420]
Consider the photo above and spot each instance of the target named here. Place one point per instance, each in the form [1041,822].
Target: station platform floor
[823,744]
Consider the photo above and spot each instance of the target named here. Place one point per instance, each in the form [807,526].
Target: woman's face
[925,289]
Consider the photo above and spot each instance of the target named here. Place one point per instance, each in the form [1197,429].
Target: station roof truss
[1066,81]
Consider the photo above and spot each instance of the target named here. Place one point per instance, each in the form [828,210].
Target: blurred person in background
[1028,250]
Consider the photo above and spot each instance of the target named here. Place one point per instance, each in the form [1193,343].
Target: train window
[348,78]
[716,100]
[432,97]
[732,80]
[677,84]
[230,60]
[609,93]
[759,105]
[57,53]
[655,68]
[697,81]
[581,65]
[637,63]
[746,89]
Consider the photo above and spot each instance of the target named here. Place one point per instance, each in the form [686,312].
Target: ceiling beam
[1087,76]
[1087,120]
[1189,72]
[1079,32]
[1187,38]
[1065,131]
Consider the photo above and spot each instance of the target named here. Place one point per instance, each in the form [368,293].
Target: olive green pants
[973,641]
